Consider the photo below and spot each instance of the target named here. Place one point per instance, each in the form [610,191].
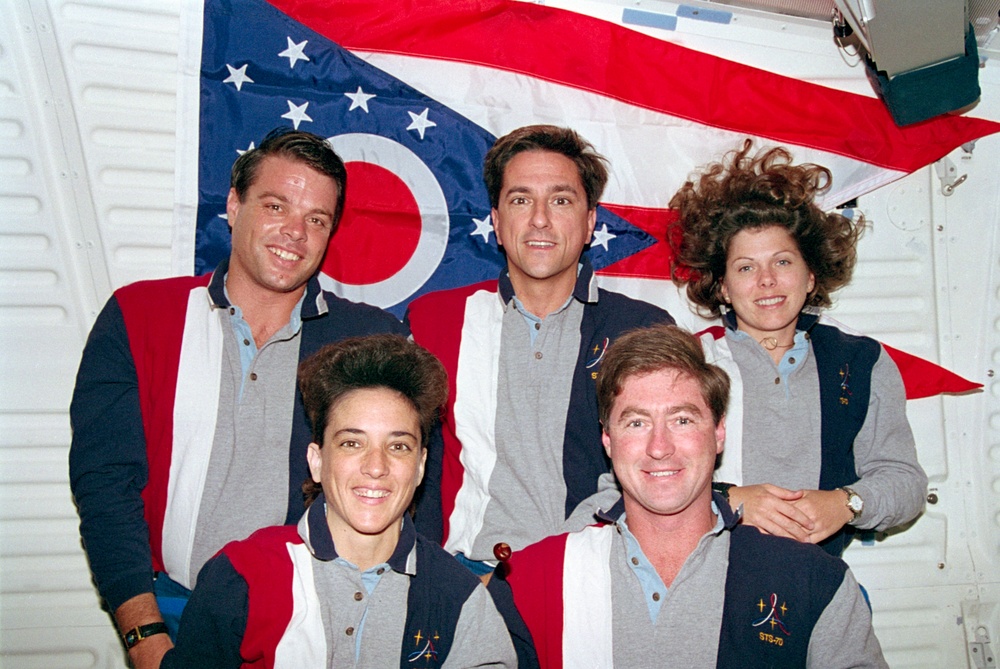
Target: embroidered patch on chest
[597,353]
[845,384]
[774,627]
[425,655]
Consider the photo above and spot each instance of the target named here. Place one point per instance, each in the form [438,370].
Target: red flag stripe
[923,378]
[652,262]
[614,61]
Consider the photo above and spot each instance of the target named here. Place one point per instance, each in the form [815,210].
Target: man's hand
[142,610]
[773,510]
[828,511]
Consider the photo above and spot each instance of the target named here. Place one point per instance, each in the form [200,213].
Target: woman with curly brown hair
[818,443]
[352,584]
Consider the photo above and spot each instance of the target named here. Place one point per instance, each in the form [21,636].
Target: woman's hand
[774,510]
[828,511]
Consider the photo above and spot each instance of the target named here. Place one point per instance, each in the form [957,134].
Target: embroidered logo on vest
[775,622]
[845,388]
[598,352]
[426,651]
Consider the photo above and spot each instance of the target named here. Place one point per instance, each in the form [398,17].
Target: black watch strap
[137,634]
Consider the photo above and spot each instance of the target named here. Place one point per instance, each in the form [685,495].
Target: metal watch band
[851,495]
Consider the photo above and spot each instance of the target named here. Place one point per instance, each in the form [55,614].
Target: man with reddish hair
[672,573]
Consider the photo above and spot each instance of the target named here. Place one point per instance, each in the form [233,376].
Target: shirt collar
[584,291]
[633,546]
[315,532]
[612,515]
[217,286]
[729,517]
[313,303]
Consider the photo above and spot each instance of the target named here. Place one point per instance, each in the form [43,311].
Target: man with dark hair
[672,573]
[187,429]
[519,456]
[353,584]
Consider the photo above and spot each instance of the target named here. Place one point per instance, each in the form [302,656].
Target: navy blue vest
[433,606]
[844,365]
[584,459]
[776,590]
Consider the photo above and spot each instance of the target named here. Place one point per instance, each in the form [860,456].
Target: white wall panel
[120,62]
[87,120]
[41,333]
[935,304]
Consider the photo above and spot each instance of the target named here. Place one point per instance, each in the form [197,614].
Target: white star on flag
[294,52]
[297,113]
[249,148]
[237,76]
[420,122]
[359,99]
[602,237]
[483,227]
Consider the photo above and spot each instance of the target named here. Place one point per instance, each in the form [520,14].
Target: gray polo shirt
[536,365]
[781,438]
[256,396]
[683,622]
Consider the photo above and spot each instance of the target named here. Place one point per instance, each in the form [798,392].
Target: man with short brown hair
[519,456]
[187,428]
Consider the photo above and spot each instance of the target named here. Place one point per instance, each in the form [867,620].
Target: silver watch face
[855,503]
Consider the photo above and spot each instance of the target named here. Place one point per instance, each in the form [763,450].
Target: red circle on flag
[380,228]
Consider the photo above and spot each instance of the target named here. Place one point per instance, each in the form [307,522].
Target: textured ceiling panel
[810,9]
[983,14]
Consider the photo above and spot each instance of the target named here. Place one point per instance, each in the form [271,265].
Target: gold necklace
[771,343]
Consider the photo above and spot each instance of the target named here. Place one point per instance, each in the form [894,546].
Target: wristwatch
[137,634]
[854,503]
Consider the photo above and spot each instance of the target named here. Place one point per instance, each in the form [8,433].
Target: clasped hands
[809,516]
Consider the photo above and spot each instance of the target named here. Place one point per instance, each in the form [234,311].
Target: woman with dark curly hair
[818,443]
[353,584]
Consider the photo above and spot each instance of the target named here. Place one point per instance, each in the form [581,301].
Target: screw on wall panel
[932,498]
[989,373]
[940,228]
[940,565]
